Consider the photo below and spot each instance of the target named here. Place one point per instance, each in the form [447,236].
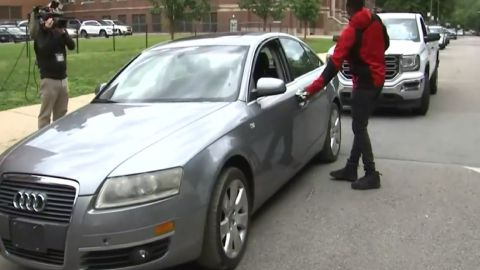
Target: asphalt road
[425,216]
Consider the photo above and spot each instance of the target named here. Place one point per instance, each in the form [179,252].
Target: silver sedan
[171,158]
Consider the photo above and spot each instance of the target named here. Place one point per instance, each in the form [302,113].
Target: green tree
[306,11]
[439,8]
[198,10]
[264,9]
[172,9]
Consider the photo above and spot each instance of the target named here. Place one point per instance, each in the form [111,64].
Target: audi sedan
[168,162]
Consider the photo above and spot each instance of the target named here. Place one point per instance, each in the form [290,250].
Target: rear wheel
[434,83]
[333,140]
[83,34]
[228,217]
[425,100]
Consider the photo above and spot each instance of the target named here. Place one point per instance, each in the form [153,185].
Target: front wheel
[434,83]
[228,217]
[425,100]
[333,140]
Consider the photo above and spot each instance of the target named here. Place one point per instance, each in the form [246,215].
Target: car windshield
[106,22]
[189,74]
[117,22]
[402,29]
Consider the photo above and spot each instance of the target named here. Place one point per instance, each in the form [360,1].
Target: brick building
[15,10]
[223,16]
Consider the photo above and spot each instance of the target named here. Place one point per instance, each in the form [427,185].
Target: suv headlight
[410,62]
[139,188]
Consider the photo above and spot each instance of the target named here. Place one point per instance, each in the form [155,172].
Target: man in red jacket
[363,43]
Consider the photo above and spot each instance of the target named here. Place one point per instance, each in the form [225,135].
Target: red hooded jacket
[363,43]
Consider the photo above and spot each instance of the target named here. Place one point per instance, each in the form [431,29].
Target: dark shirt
[51,54]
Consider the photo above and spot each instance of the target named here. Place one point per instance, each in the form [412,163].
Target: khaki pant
[54,96]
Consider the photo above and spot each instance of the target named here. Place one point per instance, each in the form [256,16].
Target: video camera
[52,10]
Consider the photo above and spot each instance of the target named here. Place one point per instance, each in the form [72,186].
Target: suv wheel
[103,33]
[83,34]
[434,83]
[425,100]
[227,224]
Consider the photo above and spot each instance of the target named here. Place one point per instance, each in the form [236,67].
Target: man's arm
[344,44]
[68,40]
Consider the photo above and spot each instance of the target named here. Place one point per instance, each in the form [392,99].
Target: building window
[139,23]
[106,17]
[122,18]
[156,23]
[10,13]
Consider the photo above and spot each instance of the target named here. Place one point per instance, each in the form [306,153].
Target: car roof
[398,15]
[230,38]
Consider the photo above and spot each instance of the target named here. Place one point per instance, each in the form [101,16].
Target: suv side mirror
[269,87]
[432,37]
[335,38]
[99,88]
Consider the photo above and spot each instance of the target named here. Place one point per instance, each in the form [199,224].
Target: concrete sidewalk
[20,122]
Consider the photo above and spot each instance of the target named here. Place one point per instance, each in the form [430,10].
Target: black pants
[363,104]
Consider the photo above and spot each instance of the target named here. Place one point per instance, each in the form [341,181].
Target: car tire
[103,33]
[235,217]
[425,100]
[434,83]
[83,34]
[333,140]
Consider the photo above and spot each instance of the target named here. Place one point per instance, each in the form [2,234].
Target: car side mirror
[335,38]
[269,87]
[99,88]
[432,37]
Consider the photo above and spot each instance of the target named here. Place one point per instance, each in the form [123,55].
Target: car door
[304,68]
[275,132]
[431,47]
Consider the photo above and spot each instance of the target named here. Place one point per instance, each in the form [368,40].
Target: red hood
[361,19]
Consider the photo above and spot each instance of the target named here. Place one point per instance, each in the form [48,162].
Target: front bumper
[404,91]
[110,237]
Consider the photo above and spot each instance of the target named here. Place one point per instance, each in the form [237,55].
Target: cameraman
[50,41]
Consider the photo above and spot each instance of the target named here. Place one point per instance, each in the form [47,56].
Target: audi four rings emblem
[30,201]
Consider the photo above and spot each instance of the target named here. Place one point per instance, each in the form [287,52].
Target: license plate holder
[27,236]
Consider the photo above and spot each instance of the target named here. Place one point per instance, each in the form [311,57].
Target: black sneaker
[369,181]
[349,173]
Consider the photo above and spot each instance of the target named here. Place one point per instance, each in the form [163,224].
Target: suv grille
[392,67]
[51,257]
[60,197]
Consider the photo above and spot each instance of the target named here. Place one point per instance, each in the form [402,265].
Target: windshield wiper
[103,101]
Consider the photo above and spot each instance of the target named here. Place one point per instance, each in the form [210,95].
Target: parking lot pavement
[425,216]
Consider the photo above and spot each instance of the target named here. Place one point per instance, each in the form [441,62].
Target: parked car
[411,65]
[170,159]
[443,42]
[120,27]
[95,28]
[23,25]
[13,34]
[452,33]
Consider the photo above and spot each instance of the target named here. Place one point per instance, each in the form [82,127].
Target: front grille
[392,67]
[60,198]
[119,258]
[51,257]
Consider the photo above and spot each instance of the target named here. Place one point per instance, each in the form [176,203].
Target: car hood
[397,47]
[91,142]
[404,47]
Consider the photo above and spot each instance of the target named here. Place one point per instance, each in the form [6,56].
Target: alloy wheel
[234,219]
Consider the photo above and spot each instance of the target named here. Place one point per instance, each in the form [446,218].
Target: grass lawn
[95,63]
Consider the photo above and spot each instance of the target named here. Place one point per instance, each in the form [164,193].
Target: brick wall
[18,9]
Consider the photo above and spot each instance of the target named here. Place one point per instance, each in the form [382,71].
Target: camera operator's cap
[356,3]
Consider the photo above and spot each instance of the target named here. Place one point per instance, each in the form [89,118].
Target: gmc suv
[411,65]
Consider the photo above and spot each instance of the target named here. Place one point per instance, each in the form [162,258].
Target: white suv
[95,28]
[119,27]
[411,65]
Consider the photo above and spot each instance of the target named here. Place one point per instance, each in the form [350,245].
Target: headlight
[410,62]
[139,188]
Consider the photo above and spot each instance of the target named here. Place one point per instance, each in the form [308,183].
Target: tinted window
[298,59]
[205,73]
[314,59]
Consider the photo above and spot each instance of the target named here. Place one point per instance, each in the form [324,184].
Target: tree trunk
[172,29]
[264,24]
[305,30]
